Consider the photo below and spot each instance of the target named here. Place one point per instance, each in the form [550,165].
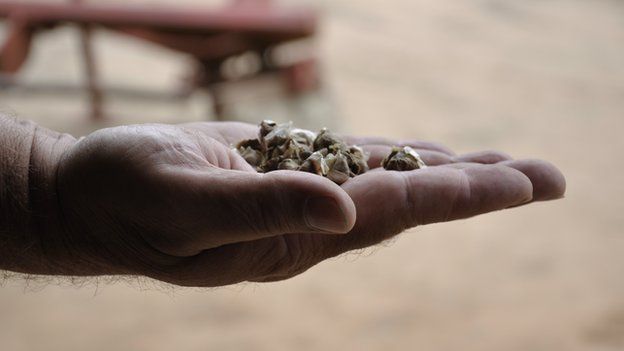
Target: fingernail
[324,214]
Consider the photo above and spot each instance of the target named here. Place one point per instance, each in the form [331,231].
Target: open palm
[176,203]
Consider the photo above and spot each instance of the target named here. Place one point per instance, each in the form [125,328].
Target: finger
[262,260]
[376,153]
[548,181]
[223,265]
[461,165]
[232,206]
[485,157]
[390,202]
[424,145]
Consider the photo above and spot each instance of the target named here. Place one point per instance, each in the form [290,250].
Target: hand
[177,204]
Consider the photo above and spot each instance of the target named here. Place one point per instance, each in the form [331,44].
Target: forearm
[29,156]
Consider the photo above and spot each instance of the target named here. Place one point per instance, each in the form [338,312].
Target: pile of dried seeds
[282,147]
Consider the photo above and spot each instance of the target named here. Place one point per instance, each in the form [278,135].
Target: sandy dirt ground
[534,78]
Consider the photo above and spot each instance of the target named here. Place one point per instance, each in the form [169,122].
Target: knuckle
[495,156]
[182,246]
[412,215]
[284,258]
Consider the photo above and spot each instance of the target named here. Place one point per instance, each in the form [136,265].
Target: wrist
[46,224]
[29,159]
[64,235]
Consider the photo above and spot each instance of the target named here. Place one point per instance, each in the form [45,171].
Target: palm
[390,202]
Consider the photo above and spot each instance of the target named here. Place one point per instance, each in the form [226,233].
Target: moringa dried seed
[403,159]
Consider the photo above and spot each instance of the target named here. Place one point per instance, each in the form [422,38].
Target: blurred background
[538,79]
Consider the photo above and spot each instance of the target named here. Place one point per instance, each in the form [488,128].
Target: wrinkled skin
[177,204]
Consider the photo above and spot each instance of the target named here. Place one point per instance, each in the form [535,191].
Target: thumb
[239,206]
